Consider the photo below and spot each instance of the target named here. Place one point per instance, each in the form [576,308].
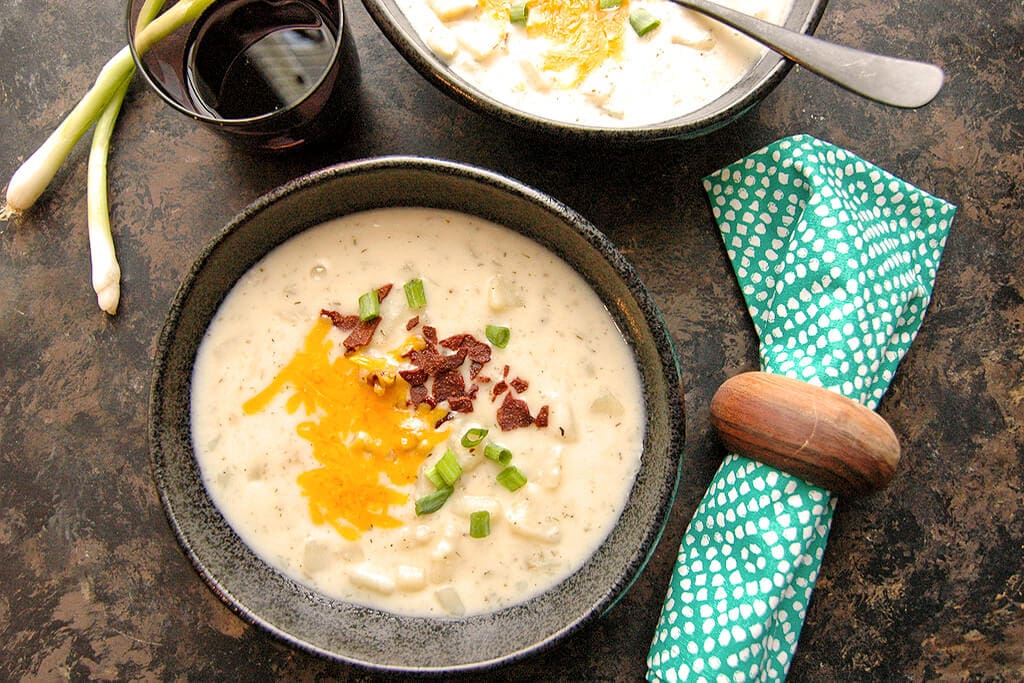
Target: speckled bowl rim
[339,631]
[763,77]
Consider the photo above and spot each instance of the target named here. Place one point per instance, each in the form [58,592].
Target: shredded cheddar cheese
[582,34]
[366,438]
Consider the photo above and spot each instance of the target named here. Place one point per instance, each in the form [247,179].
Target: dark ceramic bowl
[767,73]
[372,638]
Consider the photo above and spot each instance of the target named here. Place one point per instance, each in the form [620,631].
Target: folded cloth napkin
[836,259]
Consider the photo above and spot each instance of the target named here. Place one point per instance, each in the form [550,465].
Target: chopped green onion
[498,335]
[480,524]
[369,306]
[448,468]
[414,294]
[519,13]
[643,22]
[498,454]
[610,4]
[473,437]
[432,502]
[435,478]
[511,478]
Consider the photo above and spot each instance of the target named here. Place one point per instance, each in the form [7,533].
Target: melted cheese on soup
[317,455]
[572,61]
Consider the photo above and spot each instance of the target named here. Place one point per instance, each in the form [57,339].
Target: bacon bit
[428,359]
[412,322]
[342,322]
[362,332]
[475,349]
[498,389]
[415,377]
[446,370]
[449,385]
[513,413]
[453,361]
[542,417]
[504,372]
[461,404]
[478,352]
[361,335]
[418,394]
[448,416]
[474,368]
[454,342]
[520,385]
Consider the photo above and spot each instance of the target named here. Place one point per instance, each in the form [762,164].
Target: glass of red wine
[271,74]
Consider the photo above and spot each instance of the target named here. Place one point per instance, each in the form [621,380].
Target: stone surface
[923,581]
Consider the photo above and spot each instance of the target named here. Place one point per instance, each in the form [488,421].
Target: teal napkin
[836,259]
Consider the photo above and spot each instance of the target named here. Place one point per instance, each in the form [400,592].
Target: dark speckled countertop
[923,581]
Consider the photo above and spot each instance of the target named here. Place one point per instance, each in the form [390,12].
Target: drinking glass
[271,74]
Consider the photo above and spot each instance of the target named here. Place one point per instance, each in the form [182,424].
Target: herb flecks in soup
[452,451]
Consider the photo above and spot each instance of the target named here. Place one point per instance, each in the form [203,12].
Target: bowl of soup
[415,416]
[609,70]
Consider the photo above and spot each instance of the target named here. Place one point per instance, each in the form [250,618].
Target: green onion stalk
[106,272]
[103,100]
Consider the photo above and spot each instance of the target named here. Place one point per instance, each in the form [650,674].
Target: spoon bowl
[888,80]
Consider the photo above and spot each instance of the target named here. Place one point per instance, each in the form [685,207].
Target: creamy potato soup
[592,62]
[417,410]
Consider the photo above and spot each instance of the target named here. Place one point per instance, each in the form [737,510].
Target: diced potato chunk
[502,294]
[450,600]
[410,578]
[443,550]
[416,536]
[549,474]
[441,571]
[446,10]
[316,556]
[436,35]
[468,460]
[607,404]
[690,30]
[371,578]
[481,41]
[467,505]
[526,521]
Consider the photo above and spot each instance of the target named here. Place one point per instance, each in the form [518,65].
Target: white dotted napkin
[836,259]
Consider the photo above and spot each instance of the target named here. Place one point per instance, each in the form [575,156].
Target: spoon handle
[889,80]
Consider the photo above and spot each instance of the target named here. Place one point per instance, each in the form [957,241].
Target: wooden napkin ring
[808,431]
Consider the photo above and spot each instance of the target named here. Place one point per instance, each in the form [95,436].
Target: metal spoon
[889,80]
